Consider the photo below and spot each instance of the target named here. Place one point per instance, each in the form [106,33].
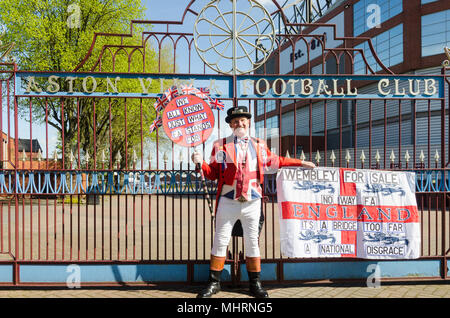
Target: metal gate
[126,206]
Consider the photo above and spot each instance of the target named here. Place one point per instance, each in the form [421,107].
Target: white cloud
[266,3]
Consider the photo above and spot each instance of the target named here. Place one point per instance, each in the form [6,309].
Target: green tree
[55,35]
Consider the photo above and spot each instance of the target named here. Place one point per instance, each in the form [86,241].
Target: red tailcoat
[222,166]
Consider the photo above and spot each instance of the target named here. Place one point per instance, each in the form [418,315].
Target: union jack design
[156,124]
[187,90]
[203,93]
[160,103]
[246,183]
[216,104]
[171,93]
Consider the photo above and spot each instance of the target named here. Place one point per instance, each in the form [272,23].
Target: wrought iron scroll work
[177,37]
[145,36]
[236,33]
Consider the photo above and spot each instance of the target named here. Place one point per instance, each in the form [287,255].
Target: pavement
[438,289]
[324,298]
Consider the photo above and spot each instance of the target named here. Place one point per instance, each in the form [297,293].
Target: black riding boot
[213,285]
[255,285]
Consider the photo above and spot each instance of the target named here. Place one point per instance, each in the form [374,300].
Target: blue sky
[171,9]
[167,8]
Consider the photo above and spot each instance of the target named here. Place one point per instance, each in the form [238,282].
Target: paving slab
[385,290]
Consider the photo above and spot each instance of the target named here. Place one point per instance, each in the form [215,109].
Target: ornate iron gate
[142,205]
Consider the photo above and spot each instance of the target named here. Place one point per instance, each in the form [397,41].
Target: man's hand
[197,157]
[308,164]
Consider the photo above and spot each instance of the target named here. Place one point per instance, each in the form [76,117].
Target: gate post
[16,277]
[444,177]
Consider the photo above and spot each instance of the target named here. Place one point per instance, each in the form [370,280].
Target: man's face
[239,126]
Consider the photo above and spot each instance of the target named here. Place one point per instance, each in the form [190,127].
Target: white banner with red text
[341,212]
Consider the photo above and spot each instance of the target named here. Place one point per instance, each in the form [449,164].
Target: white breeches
[228,212]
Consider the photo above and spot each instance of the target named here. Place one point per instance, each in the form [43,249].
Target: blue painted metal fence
[176,182]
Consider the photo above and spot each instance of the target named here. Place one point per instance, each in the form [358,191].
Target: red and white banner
[339,212]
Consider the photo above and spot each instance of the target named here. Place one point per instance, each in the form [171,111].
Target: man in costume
[238,162]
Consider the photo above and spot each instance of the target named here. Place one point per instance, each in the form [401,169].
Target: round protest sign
[188,120]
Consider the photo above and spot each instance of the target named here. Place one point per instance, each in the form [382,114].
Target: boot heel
[256,289]
[213,286]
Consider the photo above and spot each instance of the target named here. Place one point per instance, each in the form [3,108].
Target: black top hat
[240,111]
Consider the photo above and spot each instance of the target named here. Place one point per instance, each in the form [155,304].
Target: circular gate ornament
[231,39]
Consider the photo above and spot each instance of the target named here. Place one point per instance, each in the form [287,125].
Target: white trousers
[228,212]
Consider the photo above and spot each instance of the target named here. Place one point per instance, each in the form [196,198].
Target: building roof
[24,144]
